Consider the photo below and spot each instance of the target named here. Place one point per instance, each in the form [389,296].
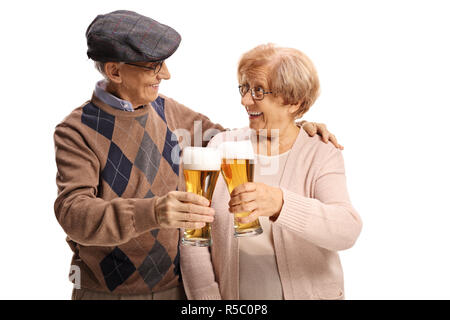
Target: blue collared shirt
[111,100]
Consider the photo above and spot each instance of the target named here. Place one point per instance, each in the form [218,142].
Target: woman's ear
[112,70]
[294,110]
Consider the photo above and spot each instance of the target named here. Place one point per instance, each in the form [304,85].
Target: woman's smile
[253,114]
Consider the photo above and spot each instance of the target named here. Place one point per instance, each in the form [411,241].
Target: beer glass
[201,168]
[237,168]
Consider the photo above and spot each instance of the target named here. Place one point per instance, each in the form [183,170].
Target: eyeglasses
[257,93]
[155,66]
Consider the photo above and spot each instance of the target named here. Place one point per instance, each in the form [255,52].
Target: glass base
[196,242]
[251,232]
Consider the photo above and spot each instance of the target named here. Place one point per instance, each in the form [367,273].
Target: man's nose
[164,72]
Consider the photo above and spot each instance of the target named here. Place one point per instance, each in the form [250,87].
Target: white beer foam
[237,150]
[198,158]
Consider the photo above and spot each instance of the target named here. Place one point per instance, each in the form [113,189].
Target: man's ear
[112,70]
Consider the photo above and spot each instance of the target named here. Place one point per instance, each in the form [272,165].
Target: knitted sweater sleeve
[197,267]
[87,219]
[195,128]
[327,220]
[198,274]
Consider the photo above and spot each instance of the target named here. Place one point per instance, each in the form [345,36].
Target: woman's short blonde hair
[287,72]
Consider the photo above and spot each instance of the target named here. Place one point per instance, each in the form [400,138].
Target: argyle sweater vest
[112,165]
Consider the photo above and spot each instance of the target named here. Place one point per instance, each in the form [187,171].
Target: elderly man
[118,171]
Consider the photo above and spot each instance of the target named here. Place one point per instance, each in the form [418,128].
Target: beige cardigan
[316,221]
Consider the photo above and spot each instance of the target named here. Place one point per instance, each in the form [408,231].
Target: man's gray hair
[100,66]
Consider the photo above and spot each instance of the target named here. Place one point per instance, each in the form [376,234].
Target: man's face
[139,85]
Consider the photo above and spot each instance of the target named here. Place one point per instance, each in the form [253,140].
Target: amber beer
[237,168]
[201,168]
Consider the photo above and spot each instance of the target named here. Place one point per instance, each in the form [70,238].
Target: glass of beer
[201,168]
[237,168]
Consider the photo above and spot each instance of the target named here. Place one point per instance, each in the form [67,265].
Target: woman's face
[269,113]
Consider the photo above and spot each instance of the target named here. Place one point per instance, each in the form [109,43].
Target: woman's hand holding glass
[257,198]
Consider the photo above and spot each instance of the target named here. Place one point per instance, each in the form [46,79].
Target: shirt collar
[110,99]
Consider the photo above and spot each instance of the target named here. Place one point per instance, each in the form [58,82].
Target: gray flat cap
[126,36]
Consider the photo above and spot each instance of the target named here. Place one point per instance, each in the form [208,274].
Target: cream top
[258,271]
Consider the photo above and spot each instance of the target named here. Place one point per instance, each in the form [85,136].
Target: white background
[384,70]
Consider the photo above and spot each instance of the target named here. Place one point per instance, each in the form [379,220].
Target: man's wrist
[145,216]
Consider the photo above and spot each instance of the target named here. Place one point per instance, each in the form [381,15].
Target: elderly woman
[303,206]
